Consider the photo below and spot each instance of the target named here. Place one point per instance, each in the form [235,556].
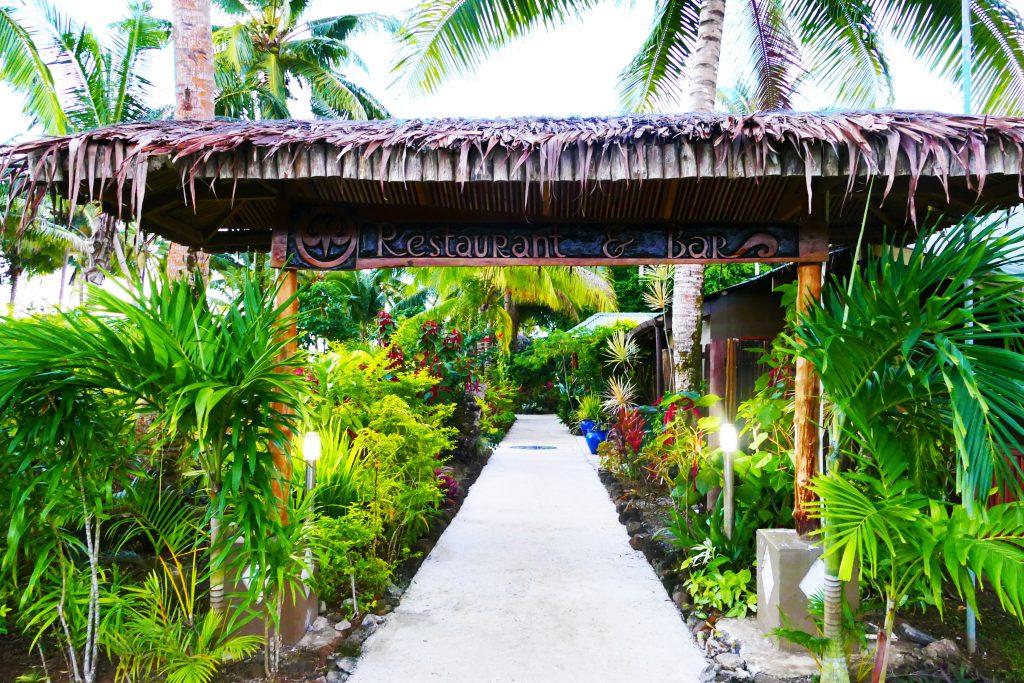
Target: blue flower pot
[594,439]
[586,426]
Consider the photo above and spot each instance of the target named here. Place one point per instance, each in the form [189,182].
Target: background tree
[71,81]
[499,293]
[629,288]
[270,50]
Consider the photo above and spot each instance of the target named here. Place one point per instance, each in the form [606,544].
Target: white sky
[571,70]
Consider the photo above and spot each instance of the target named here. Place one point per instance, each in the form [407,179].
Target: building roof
[221,185]
[611,319]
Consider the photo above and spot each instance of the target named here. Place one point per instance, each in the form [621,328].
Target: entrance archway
[770,187]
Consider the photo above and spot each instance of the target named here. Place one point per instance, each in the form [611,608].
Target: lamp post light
[728,439]
[311,448]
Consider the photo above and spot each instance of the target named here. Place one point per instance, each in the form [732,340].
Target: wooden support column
[807,408]
[283,459]
[659,368]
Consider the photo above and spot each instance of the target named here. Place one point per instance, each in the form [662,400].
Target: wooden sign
[330,239]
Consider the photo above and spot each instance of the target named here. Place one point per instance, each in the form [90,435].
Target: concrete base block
[788,573]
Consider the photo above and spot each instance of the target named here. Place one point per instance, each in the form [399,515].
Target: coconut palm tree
[71,81]
[498,293]
[270,50]
[835,46]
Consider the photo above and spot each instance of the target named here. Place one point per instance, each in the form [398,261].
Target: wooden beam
[289,285]
[807,408]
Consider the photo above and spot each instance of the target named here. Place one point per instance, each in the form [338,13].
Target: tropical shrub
[157,365]
[344,547]
[385,435]
[555,372]
[920,356]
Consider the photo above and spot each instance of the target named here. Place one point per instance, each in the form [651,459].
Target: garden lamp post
[311,448]
[728,439]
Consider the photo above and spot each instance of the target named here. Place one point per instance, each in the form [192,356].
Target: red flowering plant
[682,445]
[386,326]
[452,358]
[448,484]
[622,452]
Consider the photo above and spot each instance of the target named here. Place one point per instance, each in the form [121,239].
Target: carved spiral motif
[758,245]
[326,241]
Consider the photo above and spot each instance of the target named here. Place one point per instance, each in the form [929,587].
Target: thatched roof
[220,184]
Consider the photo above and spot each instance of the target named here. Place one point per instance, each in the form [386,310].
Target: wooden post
[807,405]
[283,458]
[659,369]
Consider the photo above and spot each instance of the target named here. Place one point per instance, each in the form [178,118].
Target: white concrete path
[534,581]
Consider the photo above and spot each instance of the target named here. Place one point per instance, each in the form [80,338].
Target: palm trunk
[688,293]
[194,90]
[14,273]
[687,311]
[63,279]
[834,668]
[513,314]
[98,259]
[884,638]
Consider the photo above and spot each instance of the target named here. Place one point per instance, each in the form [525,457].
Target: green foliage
[629,288]
[497,407]
[920,356]
[854,633]
[555,372]
[590,408]
[344,547]
[161,630]
[210,380]
[384,441]
[268,50]
[931,358]
[70,80]
[719,276]
[339,472]
[324,314]
[724,591]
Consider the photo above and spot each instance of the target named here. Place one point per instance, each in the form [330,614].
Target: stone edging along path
[736,648]
[533,581]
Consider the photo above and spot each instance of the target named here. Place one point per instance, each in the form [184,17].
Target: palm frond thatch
[116,160]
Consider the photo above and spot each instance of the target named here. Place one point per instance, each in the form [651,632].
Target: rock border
[911,648]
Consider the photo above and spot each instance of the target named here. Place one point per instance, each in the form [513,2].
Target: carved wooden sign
[329,239]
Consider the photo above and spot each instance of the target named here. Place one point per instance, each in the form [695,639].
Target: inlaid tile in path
[534,581]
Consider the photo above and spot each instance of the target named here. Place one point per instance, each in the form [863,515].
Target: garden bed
[934,657]
[329,653]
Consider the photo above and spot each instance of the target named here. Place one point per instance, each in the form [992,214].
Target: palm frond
[775,56]
[23,67]
[842,45]
[444,38]
[656,75]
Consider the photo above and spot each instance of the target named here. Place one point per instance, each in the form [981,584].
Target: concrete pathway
[534,581]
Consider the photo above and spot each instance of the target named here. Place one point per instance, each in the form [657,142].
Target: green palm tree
[921,357]
[833,45]
[270,49]
[70,80]
[498,293]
